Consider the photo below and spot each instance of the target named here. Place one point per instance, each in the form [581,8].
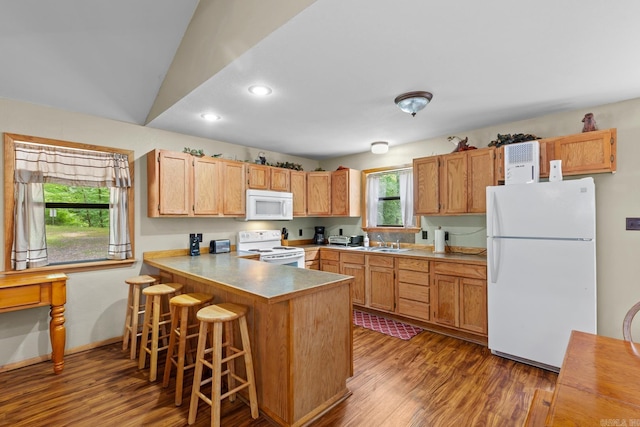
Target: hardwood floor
[431,380]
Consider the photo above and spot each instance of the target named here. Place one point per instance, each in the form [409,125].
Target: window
[389,199]
[72,204]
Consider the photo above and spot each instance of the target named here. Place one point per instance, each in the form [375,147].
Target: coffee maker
[318,237]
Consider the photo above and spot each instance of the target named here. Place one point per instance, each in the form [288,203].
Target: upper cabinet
[262,177]
[319,193]
[281,179]
[345,192]
[453,183]
[298,183]
[179,184]
[582,153]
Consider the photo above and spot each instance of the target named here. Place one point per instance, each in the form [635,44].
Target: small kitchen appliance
[267,244]
[318,237]
[521,162]
[194,245]
[219,246]
[346,240]
[269,205]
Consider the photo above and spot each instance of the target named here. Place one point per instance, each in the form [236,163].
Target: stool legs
[248,363]
[180,314]
[132,320]
[197,375]
[153,308]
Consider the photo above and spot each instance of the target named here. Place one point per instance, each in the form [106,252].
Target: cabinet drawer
[472,271]
[19,296]
[417,277]
[311,254]
[413,264]
[419,310]
[413,292]
[352,258]
[330,255]
[380,260]
[312,265]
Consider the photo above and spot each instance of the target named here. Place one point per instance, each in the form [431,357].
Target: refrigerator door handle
[493,255]
[495,216]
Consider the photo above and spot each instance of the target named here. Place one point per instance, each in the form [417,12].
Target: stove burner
[286,248]
[260,250]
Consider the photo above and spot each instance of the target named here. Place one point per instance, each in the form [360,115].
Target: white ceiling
[335,68]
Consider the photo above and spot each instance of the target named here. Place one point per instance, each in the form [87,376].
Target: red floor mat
[385,326]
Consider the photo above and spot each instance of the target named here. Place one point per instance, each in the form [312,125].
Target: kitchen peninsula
[299,321]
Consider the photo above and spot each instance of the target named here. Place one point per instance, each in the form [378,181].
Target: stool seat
[131,330]
[183,333]
[224,312]
[155,294]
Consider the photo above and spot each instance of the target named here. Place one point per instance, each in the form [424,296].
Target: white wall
[618,197]
[96,300]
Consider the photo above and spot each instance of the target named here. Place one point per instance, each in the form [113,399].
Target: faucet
[381,241]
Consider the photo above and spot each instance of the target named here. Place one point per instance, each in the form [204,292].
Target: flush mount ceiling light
[412,102]
[260,90]
[210,117]
[379,147]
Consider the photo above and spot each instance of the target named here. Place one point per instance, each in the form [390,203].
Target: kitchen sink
[392,250]
[374,249]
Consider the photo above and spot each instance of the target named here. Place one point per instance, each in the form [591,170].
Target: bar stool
[160,319]
[216,315]
[180,307]
[132,318]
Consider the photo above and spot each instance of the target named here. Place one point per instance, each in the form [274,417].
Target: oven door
[294,260]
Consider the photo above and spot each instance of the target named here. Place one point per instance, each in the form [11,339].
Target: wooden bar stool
[216,315]
[132,318]
[180,327]
[153,324]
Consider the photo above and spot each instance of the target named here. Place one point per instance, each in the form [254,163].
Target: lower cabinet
[354,265]
[330,261]
[381,282]
[460,296]
[413,288]
[312,258]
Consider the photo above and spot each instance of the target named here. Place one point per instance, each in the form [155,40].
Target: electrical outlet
[424,234]
[192,236]
[633,223]
[446,235]
[199,237]
[340,231]
[300,232]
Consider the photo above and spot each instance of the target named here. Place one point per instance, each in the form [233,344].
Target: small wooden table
[599,383]
[37,290]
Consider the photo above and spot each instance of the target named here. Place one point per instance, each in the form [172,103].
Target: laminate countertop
[269,282]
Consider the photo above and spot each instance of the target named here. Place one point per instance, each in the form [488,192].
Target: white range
[267,243]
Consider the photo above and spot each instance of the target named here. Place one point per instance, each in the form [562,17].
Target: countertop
[270,282]
[474,258]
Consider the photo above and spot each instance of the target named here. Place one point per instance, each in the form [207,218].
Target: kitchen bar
[299,322]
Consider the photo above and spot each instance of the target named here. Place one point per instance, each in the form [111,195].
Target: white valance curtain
[406,197]
[36,164]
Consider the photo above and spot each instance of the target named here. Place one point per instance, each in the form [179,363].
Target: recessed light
[210,117]
[260,90]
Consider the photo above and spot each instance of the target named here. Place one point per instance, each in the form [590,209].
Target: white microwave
[269,205]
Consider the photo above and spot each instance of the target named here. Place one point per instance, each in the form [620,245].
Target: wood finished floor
[431,380]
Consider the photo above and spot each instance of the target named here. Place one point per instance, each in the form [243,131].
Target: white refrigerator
[541,259]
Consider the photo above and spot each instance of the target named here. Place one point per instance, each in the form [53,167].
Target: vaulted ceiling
[334,66]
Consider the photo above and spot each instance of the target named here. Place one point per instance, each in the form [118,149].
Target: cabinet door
[319,193]
[175,183]
[206,186]
[453,178]
[233,196]
[426,186]
[299,190]
[480,175]
[588,152]
[345,192]
[445,300]
[357,289]
[381,288]
[258,177]
[330,266]
[280,179]
[473,305]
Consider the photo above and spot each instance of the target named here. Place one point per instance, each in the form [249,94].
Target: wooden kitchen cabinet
[169,179]
[581,154]
[346,192]
[258,176]
[352,264]
[413,288]
[207,189]
[454,183]
[319,193]
[312,258]
[330,261]
[459,298]
[299,191]
[233,193]
[381,282]
[280,179]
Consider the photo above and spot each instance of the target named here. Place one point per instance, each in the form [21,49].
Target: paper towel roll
[439,242]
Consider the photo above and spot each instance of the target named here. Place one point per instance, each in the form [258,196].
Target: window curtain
[373,187]
[36,164]
[406,197]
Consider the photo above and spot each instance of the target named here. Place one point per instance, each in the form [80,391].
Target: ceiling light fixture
[379,147]
[412,102]
[260,90]
[210,117]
